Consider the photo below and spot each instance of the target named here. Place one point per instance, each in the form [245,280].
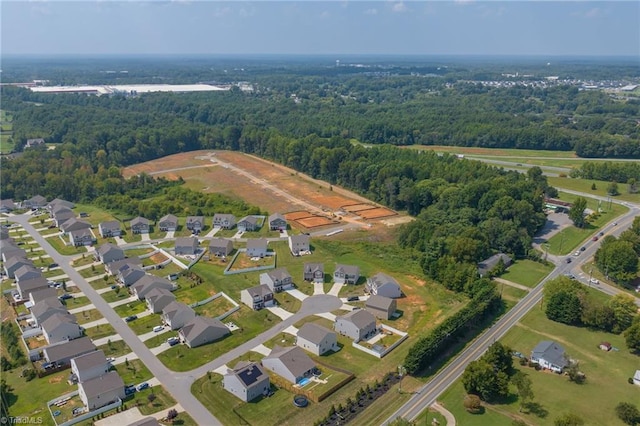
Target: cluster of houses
[196,224]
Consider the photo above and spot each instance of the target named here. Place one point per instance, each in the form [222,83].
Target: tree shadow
[536,409]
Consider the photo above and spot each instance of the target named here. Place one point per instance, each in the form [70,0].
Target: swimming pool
[304,381]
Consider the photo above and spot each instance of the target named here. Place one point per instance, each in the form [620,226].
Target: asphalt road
[428,394]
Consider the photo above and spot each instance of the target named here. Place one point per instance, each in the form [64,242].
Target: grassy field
[214,308]
[145,324]
[132,308]
[495,152]
[584,185]
[527,272]
[115,349]
[64,249]
[162,401]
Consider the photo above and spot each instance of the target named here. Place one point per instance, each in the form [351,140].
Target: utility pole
[590,274]
[401,371]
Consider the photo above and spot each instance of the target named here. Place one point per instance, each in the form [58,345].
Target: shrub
[472,404]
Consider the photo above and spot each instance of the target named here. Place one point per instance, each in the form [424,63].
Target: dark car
[128,390]
[142,386]
[600,234]
[594,239]
[65,296]
[583,248]
[131,318]
[352,298]
[568,260]
[53,265]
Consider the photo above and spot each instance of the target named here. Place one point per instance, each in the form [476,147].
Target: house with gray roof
[35,202]
[224,221]
[110,228]
[59,202]
[158,298]
[380,306]
[129,274]
[195,223]
[202,330]
[62,353]
[74,224]
[14,263]
[186,245]
[60,327]
[10,249]
[89,366]
[4,235]
[277,279]
[248,223]
[382,284]
[82,237]
[147,283]
[299,244]
[317,339]
[140,225]
[220,247]
[277,222]
[61,214]
[290,363]
[487,265]
[7,205]
[247,381]
[41,294]
[550,355]
[42,310]
[26,272]
[25,287]
[168,223]
[108,253]
[177,314]
[257,297]
[357,325]
[114,267]
[257,247]
[313,272]
[102,390]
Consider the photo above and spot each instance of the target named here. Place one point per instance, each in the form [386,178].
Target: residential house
[74,224]
[61,214]
[46,308]
[220,247]
[299,244]
[224,221]
[277,222]
[129,274]
[7,205]
[102,390]
[277,279]
[248,223]
[357,325]
[34,203]
[380,306]
[147,283]
[549,355]
[114,267]
[25,287]
[83,237]
[202,330]
[110,229]
[168,223]
[62,353]
[41,294]
[346,274]
[488,265]
[257,247]
[186,245]
[14,263]
[10,249]
[89,366]
[25,273]
[195,223]
[247,381]
[313,272]
[317,339]
[383,285]
[140,225]
[158,298]
[32,143]
[60,327]
[177,314]
[257,297]
[290,363]
[59,202]
[107,253]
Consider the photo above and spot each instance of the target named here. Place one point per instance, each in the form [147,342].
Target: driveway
[283,314]
[297,294]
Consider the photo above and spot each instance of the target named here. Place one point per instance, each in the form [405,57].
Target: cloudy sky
[456,27]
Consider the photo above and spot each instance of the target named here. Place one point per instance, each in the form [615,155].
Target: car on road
[353,298]
[131,318]
[568,260]
[53,265]
[577,253]
[583,248]
[570,276]
[594,281]
[600,234]
[142,386]
[595,238]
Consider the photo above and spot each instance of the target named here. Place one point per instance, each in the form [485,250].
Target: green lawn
[64,249]
[113,295]
[527,272]
[83,260]
[88,316]
[214,308]
[131,308]
[95,216]
[511,294]
[584,185]
[160,339]
[191,293]
[100,331]
[115,349]
[171,268]
[93,271]
[496,152]
[145,324]
[162,401]
[133,372]
[76,302]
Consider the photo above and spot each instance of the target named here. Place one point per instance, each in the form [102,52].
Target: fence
[235,308]
[403,337]
[85,416]
[228,271]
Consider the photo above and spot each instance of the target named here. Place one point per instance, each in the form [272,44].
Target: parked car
[158,328]
[594,281]
[600,234]
[353,298]
[65,296]
[53,265]
[577,253]
[111,359]
[583,248]
[128,390]
[142,386]
[113,287]
[131,318]
[173,341]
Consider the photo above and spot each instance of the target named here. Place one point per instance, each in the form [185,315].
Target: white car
[594,281]
[577,253]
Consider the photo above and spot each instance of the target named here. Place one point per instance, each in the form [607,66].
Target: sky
[446,27]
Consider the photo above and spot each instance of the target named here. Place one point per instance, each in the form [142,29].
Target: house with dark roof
[168,223]
[32,143]
[380,306]
[195,223]
[549,355]
[61,214]
[382,284]
[27,286]
[44,309]
[177,314]
[60,327]
[357,325]
[299,244]
[186,245]
[158,298]
[114,267]
[248,223]
[35,202]
[74,224]
[26,272]
[107,253]
[220,247]
[317,339]
[9,249]
[313,272]
[89,366]
[14,263]
[277,279]
[62,353]
[4,236]
[129,274]
[257,297]
[41,294]
[346,274]
[202,330]
[102,390]
[247,381]
[224,221]
[110,229]
[290,363]
[140,225]
[59,202]
[257,247]
[82,237]
[7,205]
[147,283]
[277,222]
[487,265]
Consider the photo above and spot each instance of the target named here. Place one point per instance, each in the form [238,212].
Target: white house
[277,279]
[357,325]
[549,355]
[299,244]
[257,247]
[290,363]
[383,285]
[257,297]
[247,381]
[317,339]
[102,390]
